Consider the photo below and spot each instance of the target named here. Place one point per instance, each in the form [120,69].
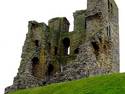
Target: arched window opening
[37,43]
[76,51]
[66,44]
[35,62]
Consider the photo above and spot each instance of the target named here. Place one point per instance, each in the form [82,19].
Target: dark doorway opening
[35,62]
[50,69]
[66,44]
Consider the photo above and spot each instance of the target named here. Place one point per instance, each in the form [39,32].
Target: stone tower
[53,54]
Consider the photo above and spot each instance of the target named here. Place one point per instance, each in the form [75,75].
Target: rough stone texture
[79,20]
[93,47]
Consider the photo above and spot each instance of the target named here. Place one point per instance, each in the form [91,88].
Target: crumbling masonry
[52,54]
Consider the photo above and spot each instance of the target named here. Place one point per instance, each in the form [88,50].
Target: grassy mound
[108,84]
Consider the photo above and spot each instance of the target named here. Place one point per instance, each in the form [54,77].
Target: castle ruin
[52,54]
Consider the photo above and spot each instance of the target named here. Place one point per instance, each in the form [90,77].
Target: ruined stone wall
[32,66]
[79,20]
[58,26]
[102,16]
[96,16]
[114,32]
[78,36]
[93,47]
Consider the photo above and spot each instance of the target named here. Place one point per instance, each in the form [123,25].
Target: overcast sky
[14,17]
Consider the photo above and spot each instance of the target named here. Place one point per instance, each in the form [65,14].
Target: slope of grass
[108,84]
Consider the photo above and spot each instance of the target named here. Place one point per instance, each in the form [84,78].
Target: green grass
[108,84]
